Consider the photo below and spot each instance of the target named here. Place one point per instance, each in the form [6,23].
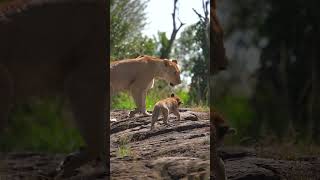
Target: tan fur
[137,76]
[48,49]
[219,130]
[166,106]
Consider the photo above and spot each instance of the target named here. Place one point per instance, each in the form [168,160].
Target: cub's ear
[172,95]
[175,61]
[166,62]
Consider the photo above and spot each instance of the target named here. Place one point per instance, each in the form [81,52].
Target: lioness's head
[177,99]
[171,72]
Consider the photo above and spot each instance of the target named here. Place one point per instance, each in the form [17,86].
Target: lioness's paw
[147,114]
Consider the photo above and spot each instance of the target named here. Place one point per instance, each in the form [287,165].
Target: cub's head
[221,127]
[171,72]
[177,99]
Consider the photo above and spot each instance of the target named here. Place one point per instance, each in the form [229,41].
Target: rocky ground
[178,151]
[181,151]
[40,166]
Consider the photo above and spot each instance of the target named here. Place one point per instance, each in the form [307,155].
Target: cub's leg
[155,115]
[165,114]
[6,96]
[87,93]
[176,113]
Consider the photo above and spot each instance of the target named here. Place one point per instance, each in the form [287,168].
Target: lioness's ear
[175,61]
[172,95]
[166,63]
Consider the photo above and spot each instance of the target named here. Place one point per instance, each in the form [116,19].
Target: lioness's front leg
[139,97]
[143,108]
[86,90]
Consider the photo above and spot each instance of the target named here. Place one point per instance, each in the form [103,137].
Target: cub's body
[166,106]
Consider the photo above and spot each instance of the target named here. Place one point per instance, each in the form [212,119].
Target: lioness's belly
[122,77]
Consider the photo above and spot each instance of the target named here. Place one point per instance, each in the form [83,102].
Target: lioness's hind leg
[86,90]
[6,96]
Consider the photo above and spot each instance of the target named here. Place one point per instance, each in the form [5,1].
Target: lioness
[219,130]
[166,106]
[58,47]
[137,76]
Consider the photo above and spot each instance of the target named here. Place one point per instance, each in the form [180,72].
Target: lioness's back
[128,70]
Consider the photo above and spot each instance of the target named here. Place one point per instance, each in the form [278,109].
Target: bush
[40,126]
[238,113]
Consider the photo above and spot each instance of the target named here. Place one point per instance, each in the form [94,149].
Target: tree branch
[205,11]
[174,33]
[200,16]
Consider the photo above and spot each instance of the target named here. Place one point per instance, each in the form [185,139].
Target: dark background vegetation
[270,92]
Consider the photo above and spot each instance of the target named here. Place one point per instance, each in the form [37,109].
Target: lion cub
[166,106]
[220,129]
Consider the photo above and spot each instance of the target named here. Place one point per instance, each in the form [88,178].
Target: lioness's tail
[155,115]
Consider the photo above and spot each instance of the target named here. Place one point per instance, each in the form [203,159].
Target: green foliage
[238,112]
[163,44]
[122,100]
[133,47]
[40,127]
[285,98]
[128,18]
[192,48]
